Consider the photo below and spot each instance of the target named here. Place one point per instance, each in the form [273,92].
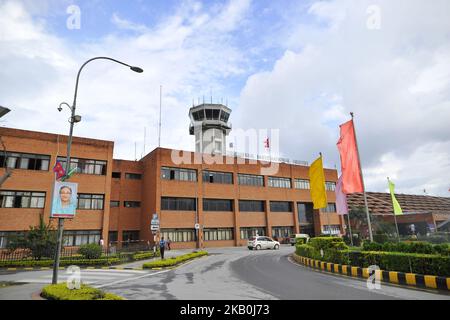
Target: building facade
[230,200]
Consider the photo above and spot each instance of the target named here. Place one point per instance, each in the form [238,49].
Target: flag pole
[369,224]
[395,218]
[350,228]
[327,213]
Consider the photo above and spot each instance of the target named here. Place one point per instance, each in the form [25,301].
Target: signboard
[197,226]
[154,224]
[64,202]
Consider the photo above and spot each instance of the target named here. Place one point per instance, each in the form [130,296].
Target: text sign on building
[64,202]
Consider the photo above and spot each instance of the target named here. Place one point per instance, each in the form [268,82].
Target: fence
[71,253]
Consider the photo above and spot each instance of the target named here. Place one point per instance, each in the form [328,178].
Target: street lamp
[72,120]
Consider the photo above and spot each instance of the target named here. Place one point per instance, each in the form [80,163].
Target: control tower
[209,125]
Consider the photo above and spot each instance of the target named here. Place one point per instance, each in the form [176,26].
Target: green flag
[395,204]
[69,174]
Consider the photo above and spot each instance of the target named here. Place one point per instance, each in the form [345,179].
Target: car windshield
[252,239]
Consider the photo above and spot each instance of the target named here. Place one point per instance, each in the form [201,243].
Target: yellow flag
[317,182]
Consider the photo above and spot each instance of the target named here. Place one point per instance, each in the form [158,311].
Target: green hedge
[146,255]
[327,243]
[427,264]
[174,261]
[61,292]
[62,263]
[90,251]
[408,247]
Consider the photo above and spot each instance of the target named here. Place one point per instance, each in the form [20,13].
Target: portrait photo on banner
[64,202]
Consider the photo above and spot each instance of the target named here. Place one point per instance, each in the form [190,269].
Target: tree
[40,240]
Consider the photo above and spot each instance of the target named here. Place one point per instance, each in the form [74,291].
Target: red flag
[59,170]
[266,143]
[351,177]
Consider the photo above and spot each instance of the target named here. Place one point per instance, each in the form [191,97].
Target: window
[90,201]
[301,184]
[251,206]
[131,204]
[282,232]
[250,180]
[331,229]
[277,182]
[179,235]
[331,208]
[330,186]
[217,177]
[217,205]
[22,199]
[27,161]
[116,175]
[280,206]
[178,204]
[305,212]
[113,236]
[5,236]
[248,232]
[85,166]
[218,234]
[79,237]
[114,204]
[178,174]
[133,176]
[209,114]
[130,236]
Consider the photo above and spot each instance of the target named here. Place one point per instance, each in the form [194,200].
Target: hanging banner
[64,202]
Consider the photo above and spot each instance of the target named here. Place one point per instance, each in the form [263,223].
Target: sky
[299,67]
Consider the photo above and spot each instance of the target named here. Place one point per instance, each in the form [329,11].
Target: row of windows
[243,179]
[31,199]
[86,166]
[16,160]
[211,114]
[126,204]
[218,234]
[188,204]
[178,174]
[217,177]
[22,199]
[78,238]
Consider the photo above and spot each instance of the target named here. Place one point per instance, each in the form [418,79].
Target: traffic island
[174,261]
[62,292]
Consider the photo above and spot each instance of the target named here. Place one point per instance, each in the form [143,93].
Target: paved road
[227,273]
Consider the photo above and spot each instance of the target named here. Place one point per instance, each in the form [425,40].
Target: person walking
[162,246]
[168,243]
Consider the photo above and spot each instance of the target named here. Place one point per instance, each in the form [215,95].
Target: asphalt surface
[226,274]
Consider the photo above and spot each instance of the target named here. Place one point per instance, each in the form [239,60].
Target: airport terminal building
[228,201]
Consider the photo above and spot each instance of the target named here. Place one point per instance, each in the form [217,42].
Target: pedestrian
[101,242]
[162,245]
[168,243]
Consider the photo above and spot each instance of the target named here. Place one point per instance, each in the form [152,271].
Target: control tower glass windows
[209,114]
[216,114]
[199,115]
[224,116]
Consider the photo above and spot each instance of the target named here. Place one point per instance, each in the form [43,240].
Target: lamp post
[72,120]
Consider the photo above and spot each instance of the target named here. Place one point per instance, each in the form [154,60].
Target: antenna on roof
[203,99]
[135,159]
[210,92]
[160,103]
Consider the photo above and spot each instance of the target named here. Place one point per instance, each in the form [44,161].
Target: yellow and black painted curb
[399,278]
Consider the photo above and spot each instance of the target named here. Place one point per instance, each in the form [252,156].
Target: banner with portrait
[64,202]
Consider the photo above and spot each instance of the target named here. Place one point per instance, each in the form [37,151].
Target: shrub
[146,255]
[62,263]
[372,246]
[61,292]
[90,251]
[328,243]
[380,238]
[174,260]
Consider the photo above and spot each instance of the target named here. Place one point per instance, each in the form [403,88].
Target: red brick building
[230,200]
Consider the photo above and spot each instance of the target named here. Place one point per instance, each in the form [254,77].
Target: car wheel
[276,247]
[258,247]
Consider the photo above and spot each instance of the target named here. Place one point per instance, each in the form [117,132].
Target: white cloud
[185,52]
[394,79]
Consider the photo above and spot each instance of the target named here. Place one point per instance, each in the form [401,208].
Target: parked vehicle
[262,242]
[294,237]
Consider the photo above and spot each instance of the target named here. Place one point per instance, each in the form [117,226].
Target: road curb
[64,268]
[394,277]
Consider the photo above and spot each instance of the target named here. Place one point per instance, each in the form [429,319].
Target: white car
[262,242]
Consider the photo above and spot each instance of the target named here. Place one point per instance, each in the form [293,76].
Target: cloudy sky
[296,66]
